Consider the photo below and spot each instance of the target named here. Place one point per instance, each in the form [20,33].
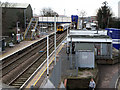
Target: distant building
[13,13]
[119,9]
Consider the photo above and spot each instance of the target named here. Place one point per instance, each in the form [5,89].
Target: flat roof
[88,32]
[94,40]
[89,36]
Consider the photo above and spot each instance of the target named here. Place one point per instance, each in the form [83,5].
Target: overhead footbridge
[35,24]
[52,19]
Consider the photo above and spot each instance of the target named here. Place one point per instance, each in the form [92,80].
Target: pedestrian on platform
[91,84]
[68,51]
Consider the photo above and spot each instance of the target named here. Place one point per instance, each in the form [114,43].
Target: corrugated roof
[16,5]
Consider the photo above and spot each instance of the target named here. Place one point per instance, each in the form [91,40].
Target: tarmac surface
[108,75]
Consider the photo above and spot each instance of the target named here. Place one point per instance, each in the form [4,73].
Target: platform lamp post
[55,36]
[18,35]
[17,26]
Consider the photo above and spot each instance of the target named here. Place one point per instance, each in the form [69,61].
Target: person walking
[91,84]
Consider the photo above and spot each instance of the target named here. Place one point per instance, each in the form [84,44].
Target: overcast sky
[70,6]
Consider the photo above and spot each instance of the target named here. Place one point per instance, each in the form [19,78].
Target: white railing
[41,66]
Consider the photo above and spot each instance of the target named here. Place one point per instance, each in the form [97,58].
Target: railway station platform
[67,71]
[61,72]
[22,45]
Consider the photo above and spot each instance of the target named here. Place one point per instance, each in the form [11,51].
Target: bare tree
[82,13]
[6,4]
[48,12]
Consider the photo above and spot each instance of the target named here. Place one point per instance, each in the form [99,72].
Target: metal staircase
[30,30]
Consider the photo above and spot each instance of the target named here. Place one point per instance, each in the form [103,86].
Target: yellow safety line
[46,67]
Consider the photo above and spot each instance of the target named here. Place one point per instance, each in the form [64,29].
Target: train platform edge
[21,46]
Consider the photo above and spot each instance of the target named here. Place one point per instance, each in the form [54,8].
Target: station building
[13,13]
[89,46]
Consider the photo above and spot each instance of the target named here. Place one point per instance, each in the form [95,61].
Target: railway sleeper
[26,76]
[16,86]
[18,82]
[21,80]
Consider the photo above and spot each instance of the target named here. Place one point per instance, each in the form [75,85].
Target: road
[108,75]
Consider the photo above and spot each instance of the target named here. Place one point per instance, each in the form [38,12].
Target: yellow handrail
[27,28]
[34,28]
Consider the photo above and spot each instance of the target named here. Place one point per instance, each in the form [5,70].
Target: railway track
[11,64]
[35,55]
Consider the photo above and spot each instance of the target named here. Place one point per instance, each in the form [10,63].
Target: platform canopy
[89,36]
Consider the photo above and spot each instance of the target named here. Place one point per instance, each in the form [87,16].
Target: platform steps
[29,33]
